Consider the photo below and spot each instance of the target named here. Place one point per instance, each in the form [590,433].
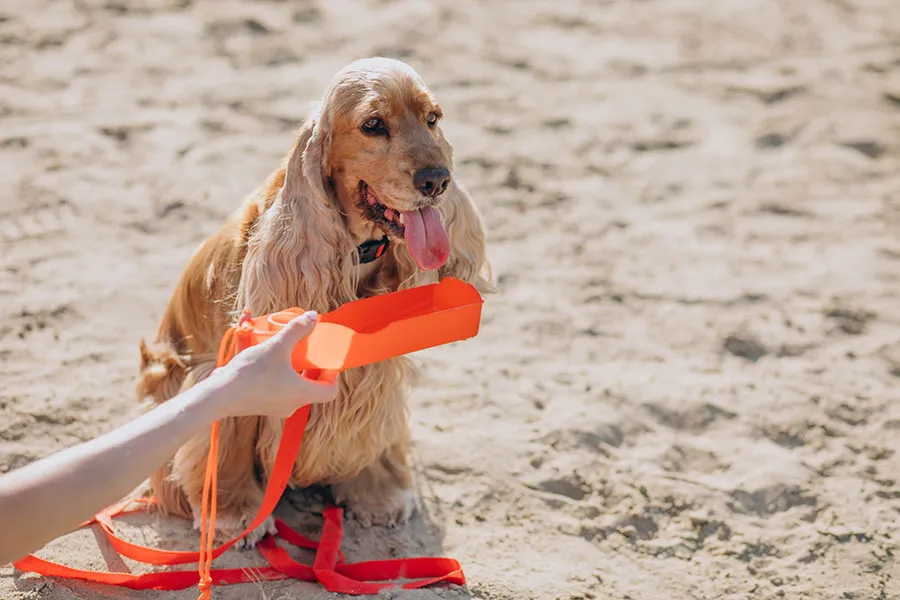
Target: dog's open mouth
[423,229]
[391,221]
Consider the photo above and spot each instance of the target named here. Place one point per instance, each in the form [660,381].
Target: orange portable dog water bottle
[375,329]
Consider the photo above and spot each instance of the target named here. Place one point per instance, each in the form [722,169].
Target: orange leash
[329,568]
[208,505]
[208,515]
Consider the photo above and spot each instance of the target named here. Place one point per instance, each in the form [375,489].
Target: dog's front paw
[249,541]
[229,526]
[391,508]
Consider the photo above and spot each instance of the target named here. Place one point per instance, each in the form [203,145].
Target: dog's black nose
[432,181]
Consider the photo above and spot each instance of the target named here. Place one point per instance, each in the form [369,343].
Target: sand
[687,386]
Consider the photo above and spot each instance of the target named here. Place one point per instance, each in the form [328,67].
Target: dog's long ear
[299,252]
[307,166]
[468,254]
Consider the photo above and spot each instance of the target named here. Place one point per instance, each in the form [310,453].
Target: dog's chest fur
[368,417]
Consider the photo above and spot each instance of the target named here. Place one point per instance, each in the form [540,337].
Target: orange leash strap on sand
[358,333]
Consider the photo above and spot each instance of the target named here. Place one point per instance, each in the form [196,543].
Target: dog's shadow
[423,535]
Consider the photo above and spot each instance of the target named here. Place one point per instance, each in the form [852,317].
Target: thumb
[296,330]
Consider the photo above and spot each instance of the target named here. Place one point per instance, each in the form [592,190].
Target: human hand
[261,381]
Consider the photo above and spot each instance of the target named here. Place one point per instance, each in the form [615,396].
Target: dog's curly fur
[293,243]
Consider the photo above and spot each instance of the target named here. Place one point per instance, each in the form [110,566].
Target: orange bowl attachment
[375,329]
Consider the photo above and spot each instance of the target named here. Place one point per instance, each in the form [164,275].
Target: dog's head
[384,156]
[370,160]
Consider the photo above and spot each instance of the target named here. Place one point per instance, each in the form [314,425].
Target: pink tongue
[426,238]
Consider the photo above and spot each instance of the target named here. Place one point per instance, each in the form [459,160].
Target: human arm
[54,495]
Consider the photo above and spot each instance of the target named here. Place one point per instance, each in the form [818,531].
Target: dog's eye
[374,126]
[431,119]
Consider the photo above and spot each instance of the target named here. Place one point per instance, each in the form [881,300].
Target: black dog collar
[372,250]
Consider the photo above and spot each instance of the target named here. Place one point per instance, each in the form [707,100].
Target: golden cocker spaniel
[364,204]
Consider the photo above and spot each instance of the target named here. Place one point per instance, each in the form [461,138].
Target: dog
[364,203]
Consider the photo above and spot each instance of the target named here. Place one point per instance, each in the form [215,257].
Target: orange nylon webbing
[329,568]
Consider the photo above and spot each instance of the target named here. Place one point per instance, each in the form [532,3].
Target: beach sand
[687,385]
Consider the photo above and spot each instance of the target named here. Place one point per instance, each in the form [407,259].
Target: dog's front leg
[240,493]
[382,493]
